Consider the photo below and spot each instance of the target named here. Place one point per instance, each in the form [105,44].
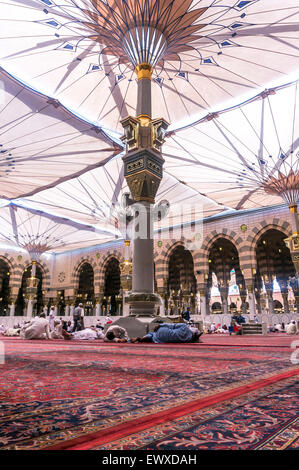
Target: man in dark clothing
[186,315]
[77,318]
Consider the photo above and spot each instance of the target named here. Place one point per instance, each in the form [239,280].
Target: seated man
[2,329]
[87,334]
[291,328]
[99,325]
[171,333]
[37,328]
[237,328]
[116,334]
[278,327]
[186,314]
[57,332]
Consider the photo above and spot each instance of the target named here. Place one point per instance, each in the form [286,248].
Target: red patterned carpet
[227,393]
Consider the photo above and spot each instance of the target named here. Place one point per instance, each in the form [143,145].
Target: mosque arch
[274,262]
[5,273]
[112,284]
[85,291]
[181,281]
[77,270]
[21,300]
[223,259]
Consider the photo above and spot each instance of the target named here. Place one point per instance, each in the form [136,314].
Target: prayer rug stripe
[95,439]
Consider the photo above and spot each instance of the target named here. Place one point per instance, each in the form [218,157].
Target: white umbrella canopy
[83,52]
[244,157]
[41,143]
[97,198]
[38,232]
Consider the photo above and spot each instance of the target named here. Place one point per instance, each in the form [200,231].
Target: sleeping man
[171,333]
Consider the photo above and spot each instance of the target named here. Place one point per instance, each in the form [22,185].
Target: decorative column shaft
[224,299]
[285,296]
[251,297]
[203,303]
[293,241]
[12,309]
[269,290]
[143,171]
[144,102]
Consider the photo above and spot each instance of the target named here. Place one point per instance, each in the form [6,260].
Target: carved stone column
[251,297]
[12,305]
[208,298]
[269,291]
[162,293]
[143,171]
[243,295]
[285,299]
[293,241]
[224,299]
[203,303]
[31,290]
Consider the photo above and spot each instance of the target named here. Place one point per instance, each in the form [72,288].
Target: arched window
[85,293]
[112,284]
[20,302]
[4,288]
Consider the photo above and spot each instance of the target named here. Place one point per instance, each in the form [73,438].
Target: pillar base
[144,304]
[138,326]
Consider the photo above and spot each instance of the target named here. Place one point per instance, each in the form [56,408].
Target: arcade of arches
[223,277]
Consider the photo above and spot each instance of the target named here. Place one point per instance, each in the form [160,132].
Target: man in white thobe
[38,328]
[87,334]
[57,332]
[52,318]
[117,334]
[291,328]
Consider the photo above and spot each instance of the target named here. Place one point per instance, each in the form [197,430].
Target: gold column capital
[144,70]
[293,208]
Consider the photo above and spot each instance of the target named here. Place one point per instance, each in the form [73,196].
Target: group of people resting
[39,328]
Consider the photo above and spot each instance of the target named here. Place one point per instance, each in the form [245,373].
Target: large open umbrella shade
[38,232]
[41,143]
[243,157]
[83,52]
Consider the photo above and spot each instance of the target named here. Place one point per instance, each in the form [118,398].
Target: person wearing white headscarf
[38,328]
[57,332]
[291,328]
[52,318]
[87,334]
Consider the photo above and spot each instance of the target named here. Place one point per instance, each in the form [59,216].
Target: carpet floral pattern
[63,395]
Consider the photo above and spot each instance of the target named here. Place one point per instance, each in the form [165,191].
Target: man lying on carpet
[87,334]
[116,334]
[171,333]
[15,331]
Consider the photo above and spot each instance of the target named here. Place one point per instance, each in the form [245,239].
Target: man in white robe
[38,328]
[15,331]
[291,328]
[57,332]
[52,318]
[116,334]
[87,334]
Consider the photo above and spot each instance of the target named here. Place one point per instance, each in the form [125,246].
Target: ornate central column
[31,289]
[293,241]
[143,171]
